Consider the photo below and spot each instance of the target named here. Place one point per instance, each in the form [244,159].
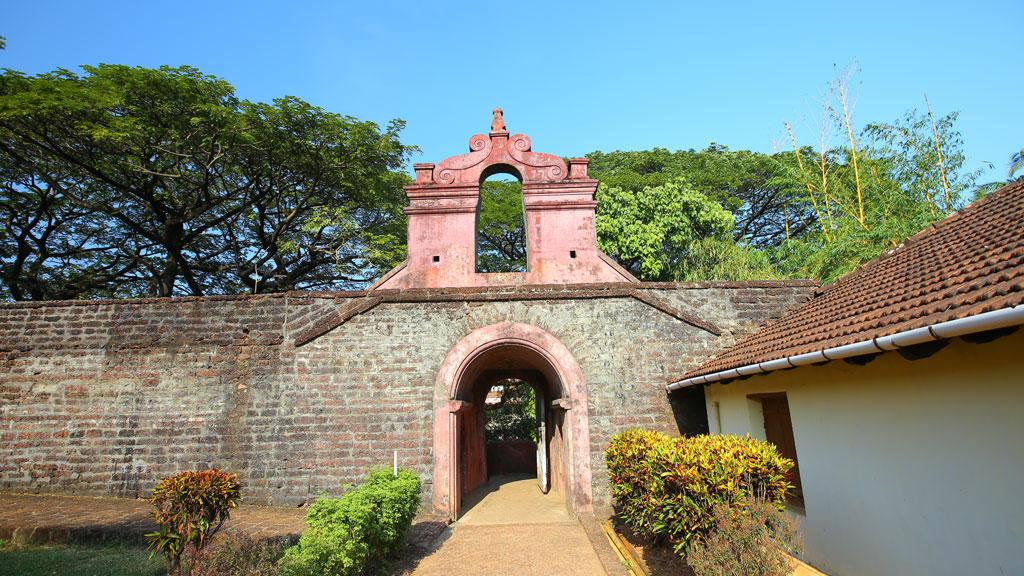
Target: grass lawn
[110,560]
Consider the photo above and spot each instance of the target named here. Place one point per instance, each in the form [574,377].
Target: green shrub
[190,508]
[666,487]
[238,554]
[358,532]
[752,541]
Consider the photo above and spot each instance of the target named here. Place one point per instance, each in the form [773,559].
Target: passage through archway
[513,427]
[509,422]
[530,444]
[502,356]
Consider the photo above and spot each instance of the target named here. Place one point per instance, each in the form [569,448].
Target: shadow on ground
[425,537]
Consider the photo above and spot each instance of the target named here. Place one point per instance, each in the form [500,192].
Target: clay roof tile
[967,263]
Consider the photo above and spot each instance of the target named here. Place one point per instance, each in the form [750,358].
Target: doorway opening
[508,353]
[778,429]
[510,429]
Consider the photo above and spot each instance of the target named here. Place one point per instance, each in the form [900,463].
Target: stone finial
[424,172]
[578,168]
[497,121]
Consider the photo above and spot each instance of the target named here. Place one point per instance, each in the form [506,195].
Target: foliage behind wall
[126,182]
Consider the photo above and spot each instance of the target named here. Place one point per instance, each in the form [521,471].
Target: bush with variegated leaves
[757,540]
[667,487]
[190,508]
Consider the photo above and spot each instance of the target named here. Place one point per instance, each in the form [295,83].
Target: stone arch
[500,168]
[457,373]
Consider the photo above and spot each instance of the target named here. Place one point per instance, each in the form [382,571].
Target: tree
[889,182]
[722,258]
[162,182]
[513,416]
[1016,163]
[768,205]
[326,200]
[45,239]
[670,232]
[811,212]
[924,158]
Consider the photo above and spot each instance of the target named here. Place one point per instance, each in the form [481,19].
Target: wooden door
[778,429]
[542,442]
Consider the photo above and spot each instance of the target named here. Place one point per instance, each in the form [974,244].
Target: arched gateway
[443,212]
[561,246]
[482,357]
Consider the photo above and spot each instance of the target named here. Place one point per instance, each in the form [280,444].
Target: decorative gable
[558,204]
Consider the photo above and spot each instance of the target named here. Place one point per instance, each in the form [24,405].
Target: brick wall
[104,398]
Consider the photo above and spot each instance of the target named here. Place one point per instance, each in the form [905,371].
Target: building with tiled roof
[898,391]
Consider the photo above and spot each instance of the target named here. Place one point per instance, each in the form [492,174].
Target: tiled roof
[969,263]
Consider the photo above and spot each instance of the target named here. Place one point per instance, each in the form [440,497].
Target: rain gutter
[1002,318]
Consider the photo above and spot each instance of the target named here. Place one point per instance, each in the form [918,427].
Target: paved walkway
[514,529]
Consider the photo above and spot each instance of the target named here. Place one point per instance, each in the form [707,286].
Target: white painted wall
[908,467]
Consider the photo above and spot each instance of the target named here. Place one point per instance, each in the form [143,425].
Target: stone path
[514,529]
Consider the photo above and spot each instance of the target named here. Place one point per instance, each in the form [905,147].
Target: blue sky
[575,77]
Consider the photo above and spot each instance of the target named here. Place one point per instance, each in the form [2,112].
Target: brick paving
[50,519]
[37,519]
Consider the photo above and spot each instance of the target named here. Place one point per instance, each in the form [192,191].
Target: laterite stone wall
[106,397]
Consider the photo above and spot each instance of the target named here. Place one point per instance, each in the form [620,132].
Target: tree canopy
[886,183]
[123,181]
[672,232]
[750,185]
[128,181]
[806,213]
